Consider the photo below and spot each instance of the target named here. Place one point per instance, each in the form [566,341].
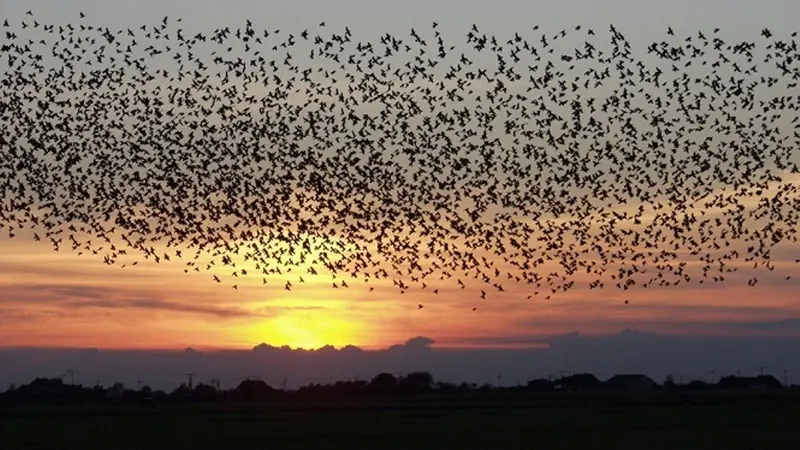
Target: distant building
[757,382]
[631,383]
[577,382]
[115,391]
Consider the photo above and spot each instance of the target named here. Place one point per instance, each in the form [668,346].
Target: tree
[383,383]
[204,392]
[254,389]
[417,382]
[540,384]
[669,382]
[182,391]
[446,387]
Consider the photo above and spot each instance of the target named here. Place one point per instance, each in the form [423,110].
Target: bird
[517,171]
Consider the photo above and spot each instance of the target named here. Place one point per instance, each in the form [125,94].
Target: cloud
[67,297]
[495,342]
[165,305]
[414,344]
[19,315]
[72,297]
[52,293]
[81,291]
[51,267]
[271,311]
[791,324]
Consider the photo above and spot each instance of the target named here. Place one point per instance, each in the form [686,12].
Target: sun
[307,331]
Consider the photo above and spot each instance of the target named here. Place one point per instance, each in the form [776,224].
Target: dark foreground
[612,422]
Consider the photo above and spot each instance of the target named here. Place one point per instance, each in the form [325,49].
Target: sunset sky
[61,299]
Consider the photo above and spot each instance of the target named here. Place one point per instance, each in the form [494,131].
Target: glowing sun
[307,331]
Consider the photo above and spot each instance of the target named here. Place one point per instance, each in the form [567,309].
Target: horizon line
[525,343]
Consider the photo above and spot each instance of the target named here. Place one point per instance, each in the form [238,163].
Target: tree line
[56,390]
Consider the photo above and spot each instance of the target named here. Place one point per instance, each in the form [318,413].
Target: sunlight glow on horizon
[60,299]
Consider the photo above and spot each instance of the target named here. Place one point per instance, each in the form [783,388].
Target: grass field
[423,424]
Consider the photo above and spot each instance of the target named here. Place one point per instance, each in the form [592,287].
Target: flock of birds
[511,161]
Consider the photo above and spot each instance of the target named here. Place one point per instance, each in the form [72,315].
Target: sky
[50,299]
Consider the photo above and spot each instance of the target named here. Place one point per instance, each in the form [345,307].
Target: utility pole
[71,373]
[283,383]
[138,384]
[761,369]
[499,379]
[191,379]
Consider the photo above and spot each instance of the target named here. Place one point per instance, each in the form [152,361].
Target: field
[526,423]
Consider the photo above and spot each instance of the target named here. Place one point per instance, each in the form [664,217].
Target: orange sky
[62,299]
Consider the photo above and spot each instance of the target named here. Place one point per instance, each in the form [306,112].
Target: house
[631,383]
[115,391]
[757,382]
[577,382]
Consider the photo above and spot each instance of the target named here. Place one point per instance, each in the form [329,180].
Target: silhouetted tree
[204,392]
[383,383]
[145,391]
[416,382]
[349,387]
[697,385]
[182,391]
[540,385]
[254,390]
[669,383]
[444,386]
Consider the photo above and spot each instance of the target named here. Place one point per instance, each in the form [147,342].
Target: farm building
[631,382]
